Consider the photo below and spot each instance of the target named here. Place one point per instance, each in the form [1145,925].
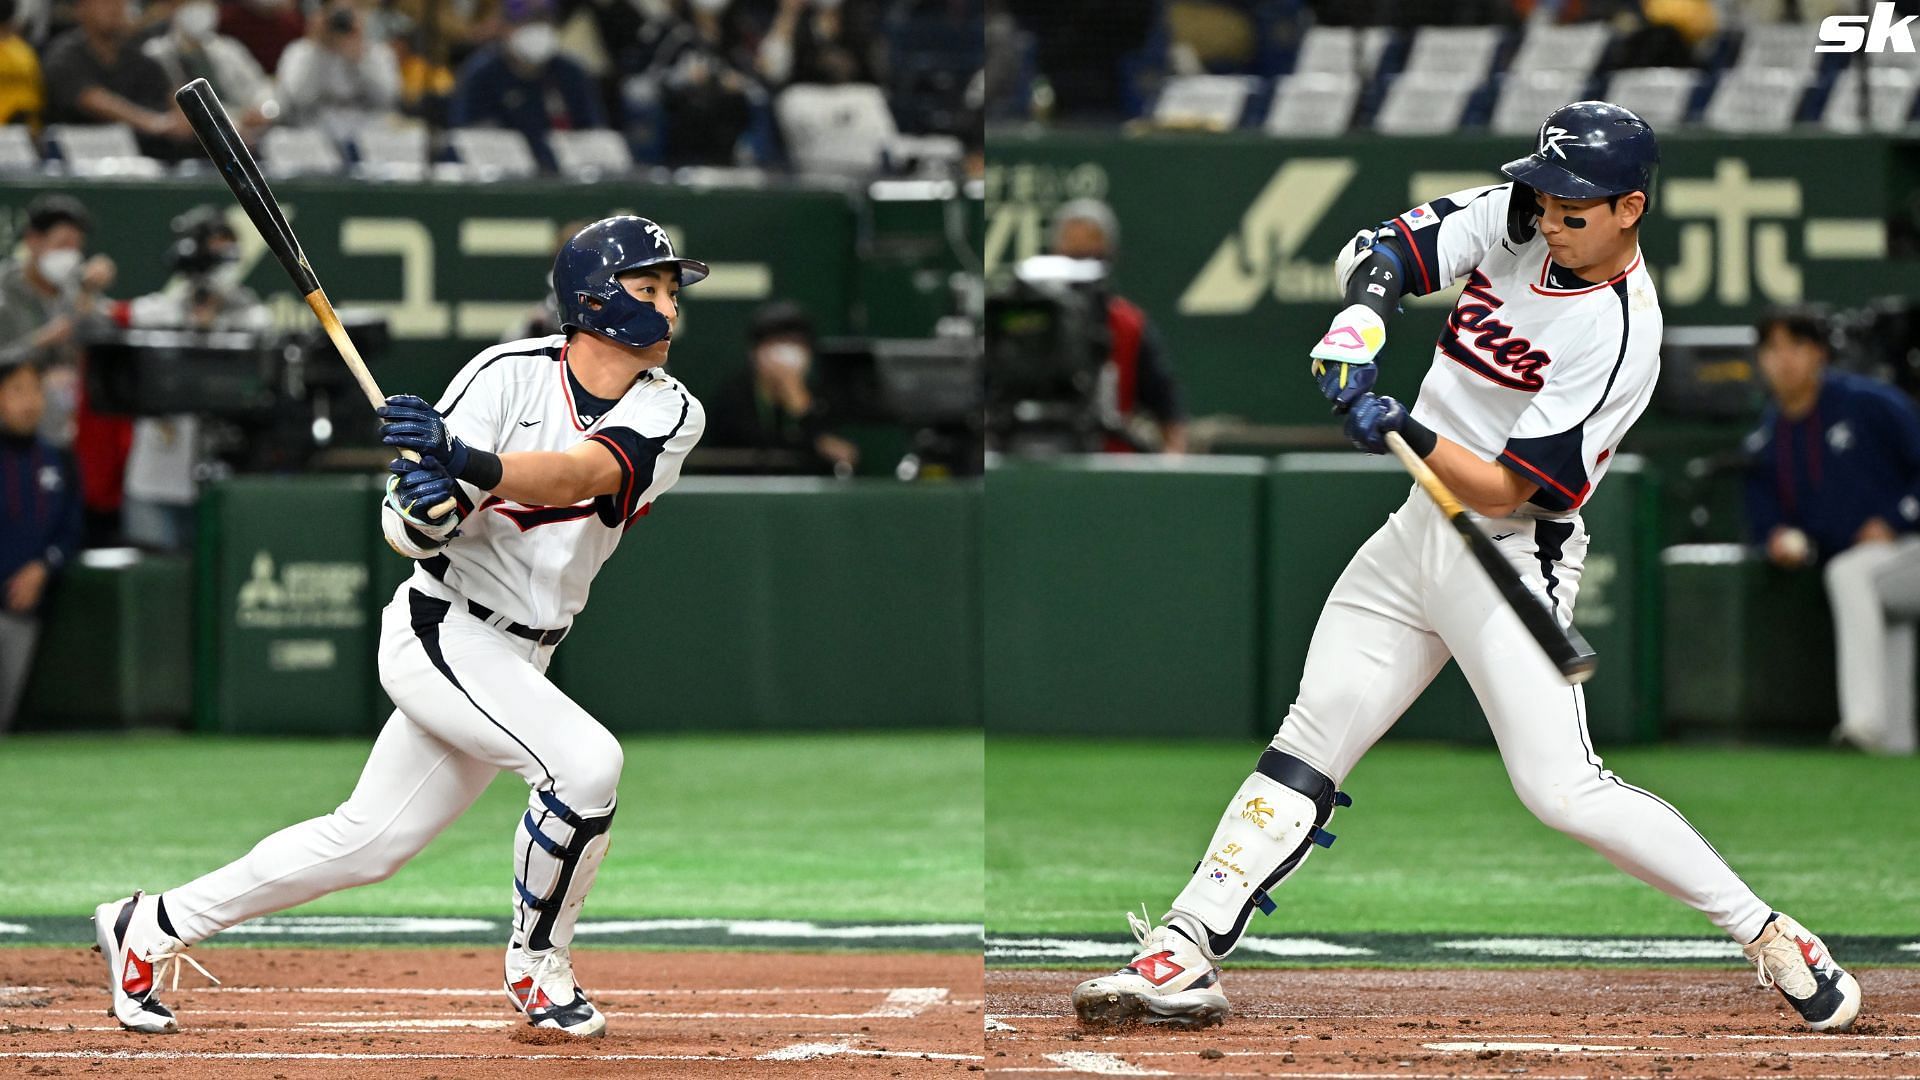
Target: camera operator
[204,294]
[1136,377]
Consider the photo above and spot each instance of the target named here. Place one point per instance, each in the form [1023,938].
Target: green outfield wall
[456,266]
[1160,597]
[1099,596]
[737,603]
[1228,239]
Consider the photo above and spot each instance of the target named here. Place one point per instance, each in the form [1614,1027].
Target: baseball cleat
[1169,982]
[139,954]
[1796,963]
[543,989]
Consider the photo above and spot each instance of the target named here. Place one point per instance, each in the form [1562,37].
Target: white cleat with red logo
[1796,963]
[139,955]
[1170,982]
[544,990]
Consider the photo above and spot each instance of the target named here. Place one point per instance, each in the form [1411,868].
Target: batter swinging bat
[237,167]
[1565,647]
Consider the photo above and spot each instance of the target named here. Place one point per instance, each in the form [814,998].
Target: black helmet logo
[1552,137]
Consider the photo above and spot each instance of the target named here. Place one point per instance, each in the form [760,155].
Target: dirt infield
[301,1014]
[1609,1022]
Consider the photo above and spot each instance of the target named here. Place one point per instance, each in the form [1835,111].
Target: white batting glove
[1343,360]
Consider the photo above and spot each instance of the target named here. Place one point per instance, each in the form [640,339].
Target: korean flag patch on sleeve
[1422,216]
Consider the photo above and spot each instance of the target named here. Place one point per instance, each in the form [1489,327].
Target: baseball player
[552,447]
[1548,357]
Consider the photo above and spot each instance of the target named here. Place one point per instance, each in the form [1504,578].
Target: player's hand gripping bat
[237,167]
[1564,646]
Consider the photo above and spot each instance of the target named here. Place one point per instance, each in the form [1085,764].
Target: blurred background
[192,481]
[1201,161]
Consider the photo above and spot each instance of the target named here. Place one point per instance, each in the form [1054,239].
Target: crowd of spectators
[686,81]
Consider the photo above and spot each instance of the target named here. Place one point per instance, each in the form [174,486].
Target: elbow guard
[1371,271]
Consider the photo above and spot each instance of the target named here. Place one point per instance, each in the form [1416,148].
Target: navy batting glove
[1343,383]
[418,486]
[409,423]
[1369,420]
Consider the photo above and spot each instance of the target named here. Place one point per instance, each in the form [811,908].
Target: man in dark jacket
[1835,480]
[39,525]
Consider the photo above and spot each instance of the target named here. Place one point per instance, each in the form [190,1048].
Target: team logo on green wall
[301,595]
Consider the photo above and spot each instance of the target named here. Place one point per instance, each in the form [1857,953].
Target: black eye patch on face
[1572,222]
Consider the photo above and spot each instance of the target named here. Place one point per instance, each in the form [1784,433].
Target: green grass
[1437,841]
[830,826]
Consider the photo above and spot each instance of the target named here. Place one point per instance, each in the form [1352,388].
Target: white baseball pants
[1875,593]
[472,700]
[1412,597]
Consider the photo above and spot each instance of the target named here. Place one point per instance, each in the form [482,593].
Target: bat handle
[336,333]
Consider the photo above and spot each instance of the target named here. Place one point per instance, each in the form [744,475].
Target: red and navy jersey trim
[1616,281]
[1423,244]
[636,455]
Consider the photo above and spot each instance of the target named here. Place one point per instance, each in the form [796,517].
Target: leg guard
[1266,832]
[556,855]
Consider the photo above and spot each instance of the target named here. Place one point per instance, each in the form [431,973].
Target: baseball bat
[1563,645]
[230,155]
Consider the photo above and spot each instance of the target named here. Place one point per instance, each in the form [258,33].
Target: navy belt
[544,637]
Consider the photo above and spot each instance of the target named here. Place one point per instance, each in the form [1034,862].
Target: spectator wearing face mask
[817,41]
[337,77]
[265,27]
[50,301]
[524,83]
[96,74]
[22,94]
[192,48]
[768,407]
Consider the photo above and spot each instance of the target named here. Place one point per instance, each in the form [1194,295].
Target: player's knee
[1556,805]
[592,773]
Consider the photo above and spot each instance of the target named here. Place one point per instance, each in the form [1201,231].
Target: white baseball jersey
[1535,368]
[534,564]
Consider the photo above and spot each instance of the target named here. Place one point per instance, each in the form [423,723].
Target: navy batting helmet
[1589,150]
[586,279]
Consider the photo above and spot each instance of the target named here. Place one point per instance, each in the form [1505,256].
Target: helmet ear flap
[1523,213]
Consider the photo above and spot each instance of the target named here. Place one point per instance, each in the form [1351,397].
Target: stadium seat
[1426,102]
[585,155]
[17,152]
[1209,102]
[392,152]
[1756,100]
[841,130]
[1783,46]
[1342,50]
[1455,50]
[1889,99]
[1659,95]
[493,154]
[1313,103]
[1526,97]
[100,150]
[1547,47]
[298,151]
